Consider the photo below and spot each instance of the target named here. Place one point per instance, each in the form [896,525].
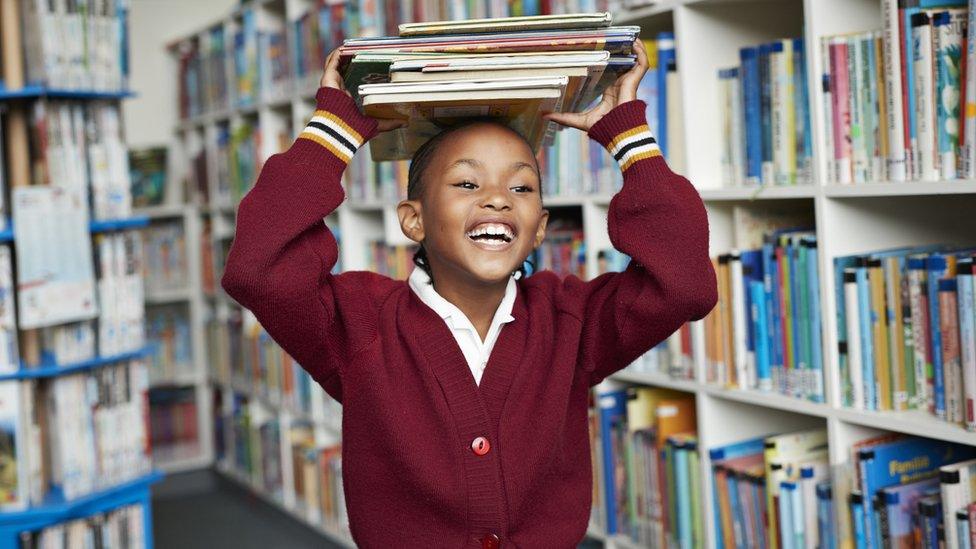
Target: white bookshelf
[849,219]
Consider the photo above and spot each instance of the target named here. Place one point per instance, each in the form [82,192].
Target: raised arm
[280,263]
[657,219]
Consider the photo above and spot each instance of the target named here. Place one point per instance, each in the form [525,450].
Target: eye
[523,189]
[466,185]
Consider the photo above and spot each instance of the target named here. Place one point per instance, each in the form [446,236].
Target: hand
[332,79]
[621,91]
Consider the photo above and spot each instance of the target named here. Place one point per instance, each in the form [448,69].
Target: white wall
[152,114]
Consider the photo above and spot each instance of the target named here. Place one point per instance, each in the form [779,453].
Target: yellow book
[726,366]
[896,333]
[879,332]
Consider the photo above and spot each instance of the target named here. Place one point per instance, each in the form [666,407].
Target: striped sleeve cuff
[624,132]
[337,125]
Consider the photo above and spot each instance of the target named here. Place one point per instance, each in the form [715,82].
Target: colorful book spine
[841,123]
[752,99]
[968,113]
[951,362]
[896,160]
[967,338]
[948,28]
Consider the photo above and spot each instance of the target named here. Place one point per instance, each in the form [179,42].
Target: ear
[540,233]
[408,211]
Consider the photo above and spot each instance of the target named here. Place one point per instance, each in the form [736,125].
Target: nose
[496,198]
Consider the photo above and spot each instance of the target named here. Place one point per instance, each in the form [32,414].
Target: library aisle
[827,401]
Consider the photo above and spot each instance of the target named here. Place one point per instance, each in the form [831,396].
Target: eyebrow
[477,164]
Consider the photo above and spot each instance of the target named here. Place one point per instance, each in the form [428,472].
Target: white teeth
[492,229]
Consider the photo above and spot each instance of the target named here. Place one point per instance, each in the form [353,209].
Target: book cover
[749,59]
[967,338]
[535,22]
[951,366]
[957,485]
[902,504]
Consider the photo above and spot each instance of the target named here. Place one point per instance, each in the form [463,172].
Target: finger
[630,80]
[568,119]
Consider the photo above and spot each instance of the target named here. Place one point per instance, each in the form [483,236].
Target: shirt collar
[420,283]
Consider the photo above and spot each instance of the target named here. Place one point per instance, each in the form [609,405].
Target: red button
[490,541]
[480,446]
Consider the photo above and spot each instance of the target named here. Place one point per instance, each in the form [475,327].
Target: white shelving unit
[849,219]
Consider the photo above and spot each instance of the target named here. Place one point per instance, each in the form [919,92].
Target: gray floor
[201,509]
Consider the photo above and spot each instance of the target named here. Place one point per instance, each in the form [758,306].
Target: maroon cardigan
[429,458]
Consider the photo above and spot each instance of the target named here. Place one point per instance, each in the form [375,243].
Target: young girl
[464,390]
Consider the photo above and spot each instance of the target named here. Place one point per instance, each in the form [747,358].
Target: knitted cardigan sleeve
[659,220]
[280,263]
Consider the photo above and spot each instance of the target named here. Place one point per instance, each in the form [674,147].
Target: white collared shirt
[475,351]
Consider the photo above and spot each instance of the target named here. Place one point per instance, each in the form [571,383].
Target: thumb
[568,119]
[385,125]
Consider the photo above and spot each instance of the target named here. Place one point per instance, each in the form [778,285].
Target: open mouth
[492,235]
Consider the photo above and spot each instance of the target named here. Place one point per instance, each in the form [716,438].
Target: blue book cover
[665,55]
[930,511]
[613,416]
[825,514]
[936,266]
[857,520]
[752,109]
[787,489]
[902,505]
[796,313]
[766,107]
[757,313]
[867,341]
[682,478]
[752,266]
[801,102]
[902,461]
[771,288]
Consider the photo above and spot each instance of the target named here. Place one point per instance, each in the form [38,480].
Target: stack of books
[514,69]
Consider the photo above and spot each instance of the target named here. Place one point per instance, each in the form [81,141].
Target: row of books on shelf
[166,265]
[168,331]
[766,134]
[121,528]
[119,272]
[253,450]
[905,325]
[75,46]
[118,329]
[647,478]
[246,357]
[771,490]
[765,331]
[893,98]
[230,155]
[173,419]
[260,57]
[80,146]
[61,435]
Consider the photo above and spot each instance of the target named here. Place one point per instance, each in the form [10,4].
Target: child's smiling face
[479,213]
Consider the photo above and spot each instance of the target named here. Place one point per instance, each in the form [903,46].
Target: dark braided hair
[418,167]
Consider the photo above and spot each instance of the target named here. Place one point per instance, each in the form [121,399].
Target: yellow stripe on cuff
[639,156]
[342,155]
[342,124]
[620,137]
